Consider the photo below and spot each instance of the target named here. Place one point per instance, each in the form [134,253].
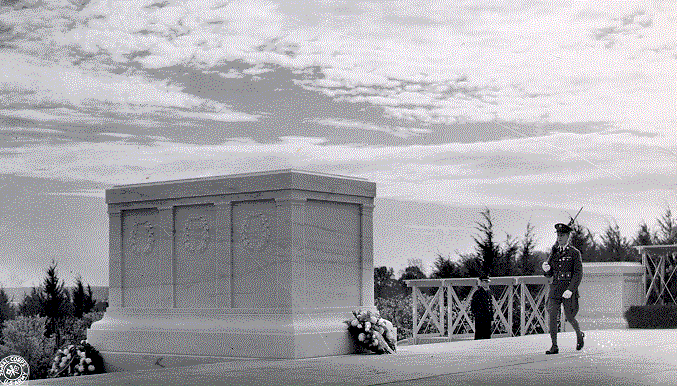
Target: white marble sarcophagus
[263,265]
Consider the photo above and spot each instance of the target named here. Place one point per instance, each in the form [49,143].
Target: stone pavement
[616,357]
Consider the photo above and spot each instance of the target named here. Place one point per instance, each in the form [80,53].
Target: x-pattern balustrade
[660,265]
[526,295]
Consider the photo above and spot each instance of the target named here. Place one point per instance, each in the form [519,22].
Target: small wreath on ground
[75,360]
[372,332]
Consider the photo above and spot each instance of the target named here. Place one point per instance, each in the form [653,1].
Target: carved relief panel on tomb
[196,233]
[142,247]
[256,265]
[143,237]
[197,261]
[257,230]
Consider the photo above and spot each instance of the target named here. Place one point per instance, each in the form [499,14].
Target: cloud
[448,62]
[395,131]
[560,169]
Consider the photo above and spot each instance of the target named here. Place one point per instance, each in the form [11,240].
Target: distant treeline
[51,300]
[517,256]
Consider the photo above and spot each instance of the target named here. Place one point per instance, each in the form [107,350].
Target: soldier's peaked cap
[563,228]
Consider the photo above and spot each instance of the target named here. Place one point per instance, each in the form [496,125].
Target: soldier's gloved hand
[545,267]
[567,294]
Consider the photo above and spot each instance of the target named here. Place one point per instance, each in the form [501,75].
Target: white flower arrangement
[75,360]
[372,332]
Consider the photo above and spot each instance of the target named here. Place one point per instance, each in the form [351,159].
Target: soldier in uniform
[482,309]
[565,268]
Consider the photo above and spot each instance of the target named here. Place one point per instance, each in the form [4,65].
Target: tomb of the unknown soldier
[257,274]
[261,265]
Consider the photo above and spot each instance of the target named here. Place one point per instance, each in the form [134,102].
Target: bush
[398,311]
[75,329]
[25,336]
[652,316]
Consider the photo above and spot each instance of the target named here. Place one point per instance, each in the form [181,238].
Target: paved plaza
[610,357]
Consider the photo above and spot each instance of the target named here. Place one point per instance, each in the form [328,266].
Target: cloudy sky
[471,103]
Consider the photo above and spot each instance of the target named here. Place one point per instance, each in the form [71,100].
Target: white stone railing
[446,314]
[607,290]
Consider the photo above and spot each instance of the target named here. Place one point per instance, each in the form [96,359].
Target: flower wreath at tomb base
[372,332]
[75,360]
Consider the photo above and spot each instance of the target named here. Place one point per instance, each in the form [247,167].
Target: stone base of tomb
[607,291]
[138,338]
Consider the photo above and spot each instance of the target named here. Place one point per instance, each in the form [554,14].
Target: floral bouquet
[74,360]
[372,332]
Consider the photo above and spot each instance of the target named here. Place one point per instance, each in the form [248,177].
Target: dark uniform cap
[563,228]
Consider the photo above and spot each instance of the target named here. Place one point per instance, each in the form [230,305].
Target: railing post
[661,286]
[510,306]
[644,263]
[414,298]
[447,285]
[546,289]
[441,301]
[523,328]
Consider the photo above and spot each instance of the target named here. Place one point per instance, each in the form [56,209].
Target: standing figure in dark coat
[565,268]
[482,309]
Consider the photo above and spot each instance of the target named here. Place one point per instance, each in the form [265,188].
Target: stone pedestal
[607,290]
[264,265]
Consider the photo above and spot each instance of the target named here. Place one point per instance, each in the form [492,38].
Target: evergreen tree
[89,301]
[527,261]
[667,228]
[472,265]
[644,236]
[55,303]
[614,247]
[486,249]
[445,268]
[79,298]
[6,310]
[584,241]
[506,260]
[83,301]
[33,304]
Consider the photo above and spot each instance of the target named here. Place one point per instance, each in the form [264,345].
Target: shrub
[75,329]
[652,316]
[25,336]
[398,311]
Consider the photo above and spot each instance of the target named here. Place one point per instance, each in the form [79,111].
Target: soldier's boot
[553,350]
[580,342]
